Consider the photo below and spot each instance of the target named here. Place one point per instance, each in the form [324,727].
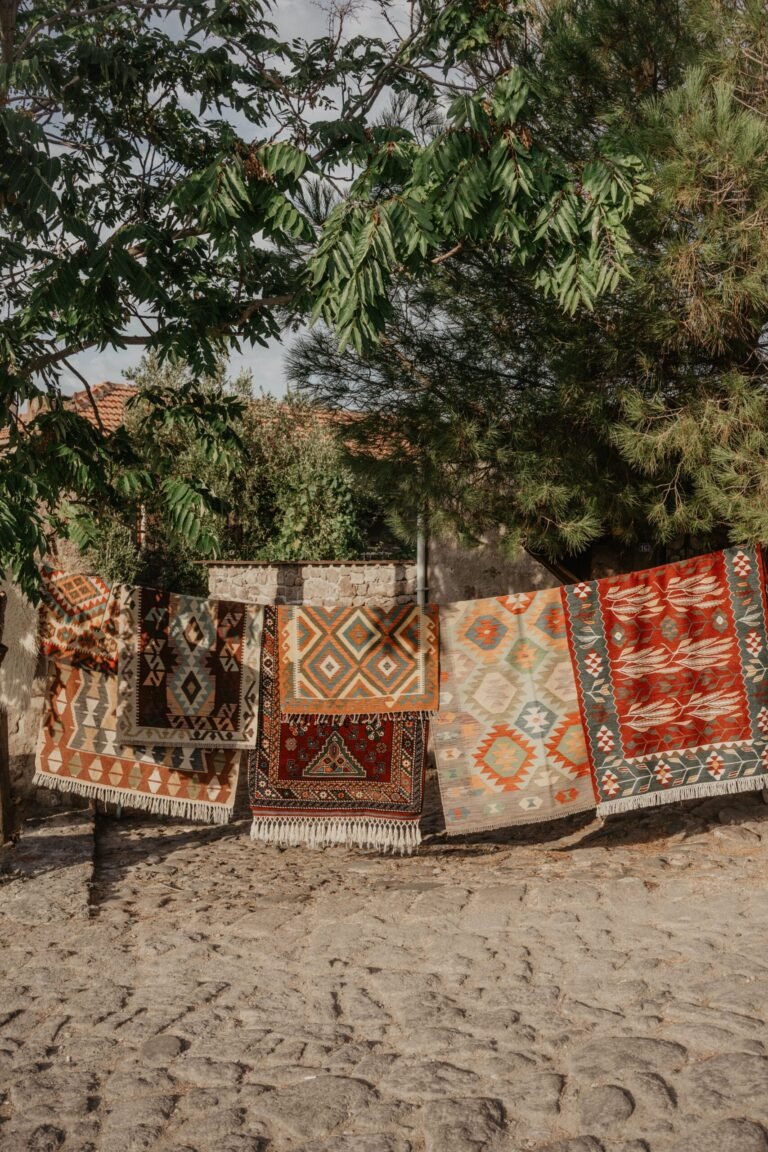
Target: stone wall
[23,732]
[385,582]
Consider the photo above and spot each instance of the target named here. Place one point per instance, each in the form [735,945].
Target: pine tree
[646,418]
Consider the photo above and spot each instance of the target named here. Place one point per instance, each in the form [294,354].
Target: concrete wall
[385,583]
[24,695]
[454,573]
[457,573]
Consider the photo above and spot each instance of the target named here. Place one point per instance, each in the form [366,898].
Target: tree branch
[57,355]
[256,306]
[447,255]
[87,387]
[8,9]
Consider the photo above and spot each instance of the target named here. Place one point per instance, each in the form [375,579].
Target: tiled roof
[109,398]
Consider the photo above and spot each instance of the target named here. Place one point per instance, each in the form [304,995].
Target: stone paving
[577,989]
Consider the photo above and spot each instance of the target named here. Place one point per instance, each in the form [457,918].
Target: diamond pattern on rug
[508,738]
[332,770]
[672,676]
[358,661]
[79,752]
[78,619]
[189,670]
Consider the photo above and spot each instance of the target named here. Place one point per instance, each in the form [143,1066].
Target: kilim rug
[78,619]
[79,752]
[322,780]
[508,738]
[358,661]
[673,679]
[189,670]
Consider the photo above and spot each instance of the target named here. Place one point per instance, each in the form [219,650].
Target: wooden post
[6,809]
[422,581]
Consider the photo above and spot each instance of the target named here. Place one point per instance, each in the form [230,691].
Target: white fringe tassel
[684,792]
[317,832]
[163,805]
[338,718]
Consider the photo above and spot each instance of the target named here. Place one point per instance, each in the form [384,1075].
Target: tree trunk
[6,810]
[8,9]
[6,807]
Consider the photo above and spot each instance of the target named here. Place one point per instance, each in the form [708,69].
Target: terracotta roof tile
[109,398]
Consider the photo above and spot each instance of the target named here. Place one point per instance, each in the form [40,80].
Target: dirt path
[601,994]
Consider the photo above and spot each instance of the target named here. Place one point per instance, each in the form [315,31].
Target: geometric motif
[189,670]
[508,738]
[79,752]
[360,778]
[673,679]
[78,619]
[358,661]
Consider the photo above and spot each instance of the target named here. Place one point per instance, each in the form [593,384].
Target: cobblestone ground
[185,991]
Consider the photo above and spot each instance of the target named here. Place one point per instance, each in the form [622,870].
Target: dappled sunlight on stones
[728,1136]
[470,1125]
[318,1106]
[208,996]
[605,1107]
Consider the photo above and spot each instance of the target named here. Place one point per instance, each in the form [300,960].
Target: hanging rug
[188,670]
[508,739]
[78,619]
[672,674]
[79,752]
[358,661]
[324,780]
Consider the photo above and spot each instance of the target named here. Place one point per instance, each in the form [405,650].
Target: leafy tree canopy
[646,418]
[176,176]
[282,492]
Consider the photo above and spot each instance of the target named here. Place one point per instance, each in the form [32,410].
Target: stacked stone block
[385,583]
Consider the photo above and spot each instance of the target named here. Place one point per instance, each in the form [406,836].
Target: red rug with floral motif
[672,671]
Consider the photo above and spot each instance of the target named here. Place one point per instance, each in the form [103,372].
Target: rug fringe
[398,836]
[339,718]
[684,792]
[162,805]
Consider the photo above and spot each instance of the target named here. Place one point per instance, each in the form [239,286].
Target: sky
[307,19]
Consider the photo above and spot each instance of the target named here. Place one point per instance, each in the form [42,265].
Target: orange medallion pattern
[318,770]
[508,739]
[358,661]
